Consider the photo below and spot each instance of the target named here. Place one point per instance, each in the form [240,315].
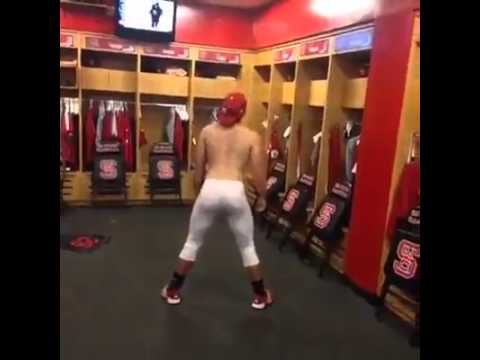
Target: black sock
[258,287]
[176,282]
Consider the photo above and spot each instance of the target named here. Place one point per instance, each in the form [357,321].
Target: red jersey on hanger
[128,140]
[67,131]
[90,134]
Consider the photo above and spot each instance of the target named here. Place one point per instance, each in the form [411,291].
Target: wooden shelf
[354,94]
[122,81]
[288,93]
[318,93]
[213,88]
[94,79]
[162,84]
[108,80]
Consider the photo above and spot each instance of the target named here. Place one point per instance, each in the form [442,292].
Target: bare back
[228,151]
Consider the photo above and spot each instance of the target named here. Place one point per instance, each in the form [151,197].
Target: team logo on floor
[83,243]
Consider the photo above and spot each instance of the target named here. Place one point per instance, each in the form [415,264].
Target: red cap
[232,109]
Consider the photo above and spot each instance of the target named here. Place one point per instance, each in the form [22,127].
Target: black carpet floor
[111,307]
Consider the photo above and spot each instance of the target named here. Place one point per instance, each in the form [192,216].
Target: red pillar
[384,100]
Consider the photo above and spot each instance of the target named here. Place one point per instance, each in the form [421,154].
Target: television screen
[147,20]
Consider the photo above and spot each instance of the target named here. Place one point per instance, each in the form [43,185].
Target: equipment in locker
[402,268]
[69,110]
[327,222]
[275,186]
[164,171]
[293,211]
[109,170]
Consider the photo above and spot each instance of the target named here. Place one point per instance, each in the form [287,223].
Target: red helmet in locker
[232,109]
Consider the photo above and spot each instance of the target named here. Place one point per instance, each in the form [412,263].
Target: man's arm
[200,161]
[259,166]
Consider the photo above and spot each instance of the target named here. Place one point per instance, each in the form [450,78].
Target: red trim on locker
[176,52]
[99,43]
[384,101]
[318,47]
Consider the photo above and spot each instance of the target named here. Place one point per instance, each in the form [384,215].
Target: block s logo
[292,197]
[408,253]
[325,215]
[108,169]
[165,170]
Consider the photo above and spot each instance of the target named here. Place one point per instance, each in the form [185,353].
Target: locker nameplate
[99,43]
[358,40]
[219,57]
[67,40]
[176,52]
[285,55]
[318,47]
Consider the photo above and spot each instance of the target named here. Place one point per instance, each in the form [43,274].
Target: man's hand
[261,204]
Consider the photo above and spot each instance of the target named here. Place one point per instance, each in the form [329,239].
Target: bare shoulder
[251,136]
[206,130]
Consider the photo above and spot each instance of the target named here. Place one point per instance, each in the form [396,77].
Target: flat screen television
[146,20]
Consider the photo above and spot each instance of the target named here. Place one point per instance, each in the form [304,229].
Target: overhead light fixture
[335,8]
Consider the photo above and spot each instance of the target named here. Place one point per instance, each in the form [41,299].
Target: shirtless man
[226,147]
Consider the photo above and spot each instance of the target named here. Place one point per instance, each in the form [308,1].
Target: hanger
[317,137]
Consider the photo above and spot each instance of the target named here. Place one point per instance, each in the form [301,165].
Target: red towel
[407,196]
[335,168]
[179,137]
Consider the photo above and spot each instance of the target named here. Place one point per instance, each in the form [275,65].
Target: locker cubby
[263,72]
[287,71]
[281,124]
[286,75]
[261,81]
[154,80]
[109,71]
[352,114]
[261,124]
[68,78]
[215,81]
[316,75]
[311,125]
[71,93]
[68,55]
[109,60]
[68,68]
[155,113]
[214,70]
[96,96]
[355,64]
[348,114]
[355,69]
[156,65]
[74,139]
